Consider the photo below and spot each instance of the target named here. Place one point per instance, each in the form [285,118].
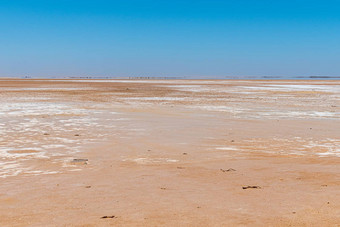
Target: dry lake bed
[169,153]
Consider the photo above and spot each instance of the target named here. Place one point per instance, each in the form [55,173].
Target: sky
[187,38]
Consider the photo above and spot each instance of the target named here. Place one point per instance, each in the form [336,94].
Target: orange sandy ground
[160,165]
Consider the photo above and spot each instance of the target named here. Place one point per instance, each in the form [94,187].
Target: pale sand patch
[23,151]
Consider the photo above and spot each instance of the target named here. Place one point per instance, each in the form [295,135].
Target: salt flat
[160,152]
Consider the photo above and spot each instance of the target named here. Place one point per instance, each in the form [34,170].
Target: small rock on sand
[112,216]
[228,170]
[82,161]
[247,187]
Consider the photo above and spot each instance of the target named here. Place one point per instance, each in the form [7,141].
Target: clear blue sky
[169,38]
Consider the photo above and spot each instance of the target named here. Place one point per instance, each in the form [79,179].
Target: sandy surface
[169,153]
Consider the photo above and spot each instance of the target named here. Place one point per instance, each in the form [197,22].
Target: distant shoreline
[186,78]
